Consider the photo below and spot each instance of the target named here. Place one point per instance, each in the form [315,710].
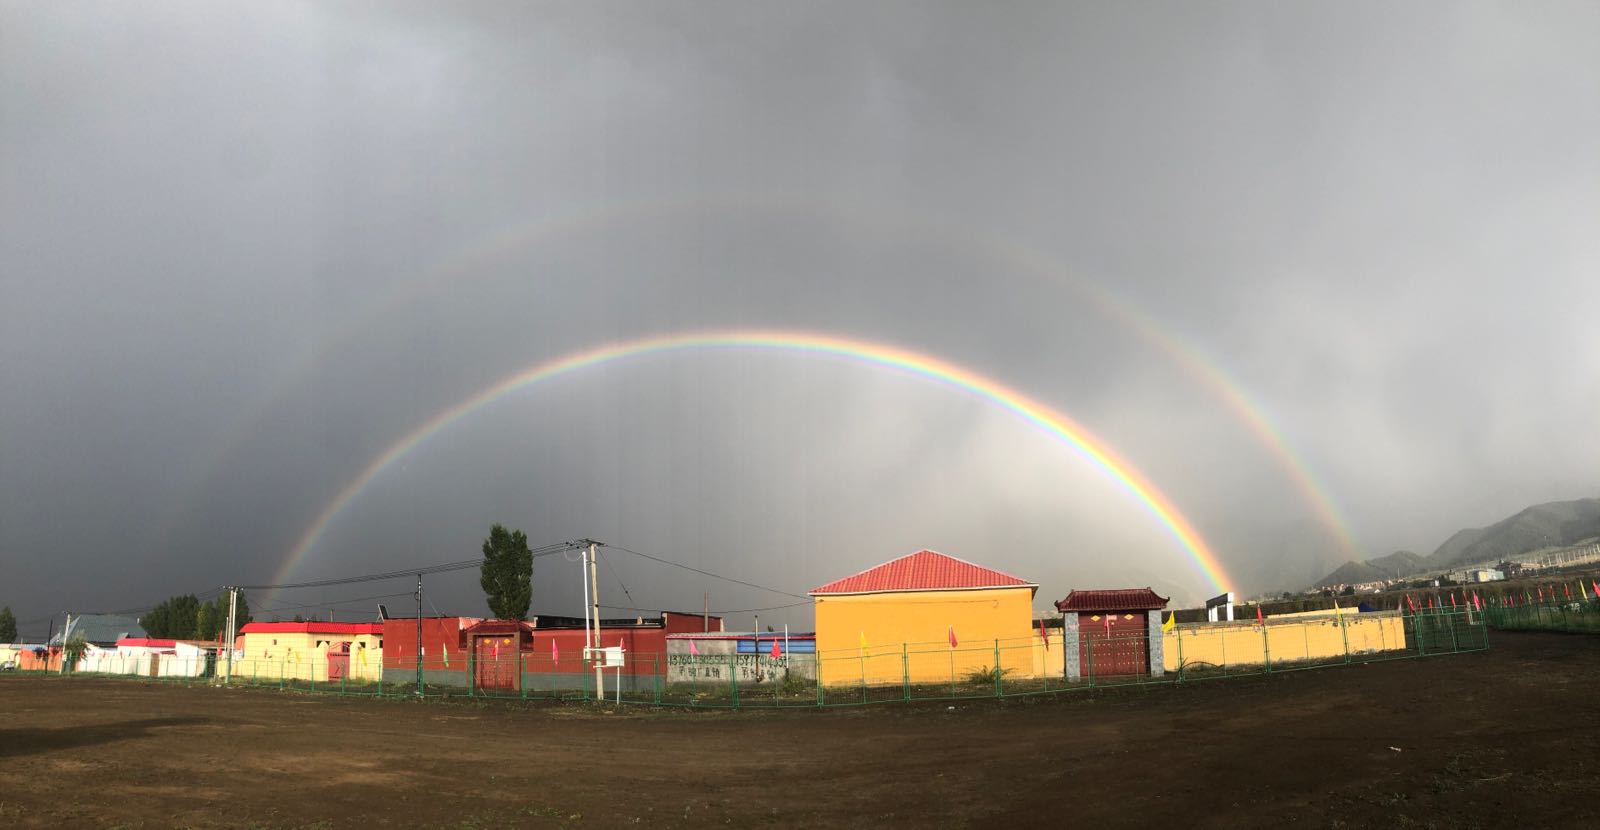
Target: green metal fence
[881,674]
[1550,615]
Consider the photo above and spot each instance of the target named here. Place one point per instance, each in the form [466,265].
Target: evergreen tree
[8,625]
[507,573]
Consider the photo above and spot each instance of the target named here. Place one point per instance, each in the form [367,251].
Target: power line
[625,593]
[708,573]
[750,610]
[460,565]
[333,602]
[714,611]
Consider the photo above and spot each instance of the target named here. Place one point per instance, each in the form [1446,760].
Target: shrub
[988,675]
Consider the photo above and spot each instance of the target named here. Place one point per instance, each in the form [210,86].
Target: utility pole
[594,599]
[705,613]
[583,576]
[233,627]
[66,631]
[419,635]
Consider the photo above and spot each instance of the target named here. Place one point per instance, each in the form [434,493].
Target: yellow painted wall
[918,623]
[292,655]
[1315,636]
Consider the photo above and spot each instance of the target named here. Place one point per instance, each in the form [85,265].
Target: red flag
[1108,625]
[1569,589]
[952,636]
[1430,602]
[1452,600]
[693,651]
[1043,635]
[555,653]
[1410,604]
[1596,586]
[1260,620]
[1475,602]
[775,651]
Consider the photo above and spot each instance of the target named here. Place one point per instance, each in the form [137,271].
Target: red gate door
[495,662]
[338,661]
[1113,644]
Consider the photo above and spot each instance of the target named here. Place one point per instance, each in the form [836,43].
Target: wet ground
[1508,737]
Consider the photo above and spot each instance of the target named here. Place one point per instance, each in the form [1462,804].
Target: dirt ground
[1508,737]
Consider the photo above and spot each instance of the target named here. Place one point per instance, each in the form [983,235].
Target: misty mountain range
[1541,526]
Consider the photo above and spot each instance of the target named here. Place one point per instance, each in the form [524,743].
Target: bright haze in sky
[1324,276]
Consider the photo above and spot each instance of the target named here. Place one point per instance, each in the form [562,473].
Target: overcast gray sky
[244,249]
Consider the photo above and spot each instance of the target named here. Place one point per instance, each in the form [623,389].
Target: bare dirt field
[1508,737]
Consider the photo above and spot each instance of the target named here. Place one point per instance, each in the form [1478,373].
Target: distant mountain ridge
[1551,524]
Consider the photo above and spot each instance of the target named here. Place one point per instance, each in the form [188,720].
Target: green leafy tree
[75,649]
[219,613]
[206,623]
[241,613]
[507,573]
[8,625]
[173,619]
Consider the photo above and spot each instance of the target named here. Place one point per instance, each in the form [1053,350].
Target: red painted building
[544,653]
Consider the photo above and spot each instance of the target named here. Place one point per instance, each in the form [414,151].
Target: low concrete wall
[1304,638]
[718,662]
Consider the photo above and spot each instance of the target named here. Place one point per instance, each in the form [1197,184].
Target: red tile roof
[924,570]
[1119,599]
[147,642]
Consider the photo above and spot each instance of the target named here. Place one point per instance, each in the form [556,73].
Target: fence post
[1345,634]
[821,701]
[905,672]
[997,672]
[1266,652]
[1177,634]
[1455,643]
[655,675]
[1089,640]
[733,674]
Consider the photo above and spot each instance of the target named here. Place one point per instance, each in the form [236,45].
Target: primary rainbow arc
[1051,421]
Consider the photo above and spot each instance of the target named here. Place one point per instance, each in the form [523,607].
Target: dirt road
[1510,737]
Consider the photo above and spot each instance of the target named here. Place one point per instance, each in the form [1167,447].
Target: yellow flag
[864,651]
[363,657]
[1172,619]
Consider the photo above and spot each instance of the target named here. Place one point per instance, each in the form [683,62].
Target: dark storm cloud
[245,250]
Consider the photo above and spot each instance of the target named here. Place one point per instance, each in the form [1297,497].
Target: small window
[274,642]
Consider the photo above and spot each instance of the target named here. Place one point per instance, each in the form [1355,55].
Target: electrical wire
[625,593]
[335,602]
[707,573]
[445,567]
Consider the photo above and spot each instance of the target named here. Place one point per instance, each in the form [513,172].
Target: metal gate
[338,661]
[494,660]
[1113,643]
